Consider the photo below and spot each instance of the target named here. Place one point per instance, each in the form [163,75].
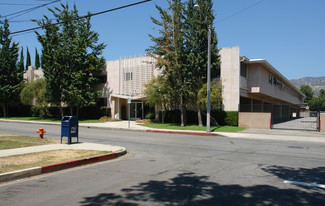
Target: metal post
[208,79]
[129,103]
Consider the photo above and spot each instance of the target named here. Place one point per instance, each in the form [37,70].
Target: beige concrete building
[248,85]
[254,85]
[126,79]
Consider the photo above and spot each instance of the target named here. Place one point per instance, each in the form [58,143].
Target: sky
[289,34]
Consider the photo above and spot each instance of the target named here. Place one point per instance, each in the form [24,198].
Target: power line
[13,4]
[81,17]
[238,12]
[28,10]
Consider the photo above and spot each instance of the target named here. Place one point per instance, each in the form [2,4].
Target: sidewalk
[250,133]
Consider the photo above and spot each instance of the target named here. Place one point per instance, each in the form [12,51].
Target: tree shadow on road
[191,189]
[314,175]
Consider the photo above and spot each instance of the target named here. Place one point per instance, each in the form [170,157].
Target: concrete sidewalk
[250,133]
[79,146]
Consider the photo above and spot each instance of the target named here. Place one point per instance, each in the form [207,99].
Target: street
[170,169]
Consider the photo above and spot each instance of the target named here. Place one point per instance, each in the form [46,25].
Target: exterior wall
[127,78]
[259,82]
[322,122]
[230,68]
[254,120]
[33,74]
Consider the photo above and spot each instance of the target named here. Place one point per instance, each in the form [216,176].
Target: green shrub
[105,111]
[231,118]
[150,115]
[38,111]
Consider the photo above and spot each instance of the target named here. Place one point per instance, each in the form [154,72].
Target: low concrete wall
[322,122]
[254,120]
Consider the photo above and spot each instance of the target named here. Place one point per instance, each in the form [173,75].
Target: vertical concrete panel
[230,74]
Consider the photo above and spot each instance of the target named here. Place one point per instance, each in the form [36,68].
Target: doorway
[136,110]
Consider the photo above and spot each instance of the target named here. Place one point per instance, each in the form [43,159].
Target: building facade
[248,85]
[254,85]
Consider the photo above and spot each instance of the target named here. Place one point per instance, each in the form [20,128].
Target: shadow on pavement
[314,175]
[191,189]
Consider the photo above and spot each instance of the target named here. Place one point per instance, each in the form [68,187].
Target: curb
[10,176]
[182,132]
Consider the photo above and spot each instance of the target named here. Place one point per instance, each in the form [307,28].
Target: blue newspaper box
[69,128]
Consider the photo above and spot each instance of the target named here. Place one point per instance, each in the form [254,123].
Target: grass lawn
[19,162]
[193,127]
[49,119]
[8,141]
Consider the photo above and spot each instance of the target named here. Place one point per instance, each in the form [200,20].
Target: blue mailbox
[69,128]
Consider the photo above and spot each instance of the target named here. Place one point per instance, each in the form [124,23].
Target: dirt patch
[18,162]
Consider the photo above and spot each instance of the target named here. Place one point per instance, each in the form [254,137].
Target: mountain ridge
[316,83]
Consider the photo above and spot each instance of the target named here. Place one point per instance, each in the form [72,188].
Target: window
[243,69]
[128,76]
[270,79]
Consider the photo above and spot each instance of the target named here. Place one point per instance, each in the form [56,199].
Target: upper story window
[243,69]
[128,76]
[270,79]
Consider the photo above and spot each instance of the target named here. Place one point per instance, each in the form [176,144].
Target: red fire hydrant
[41,132]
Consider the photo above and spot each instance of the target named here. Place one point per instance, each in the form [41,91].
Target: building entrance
[136,108]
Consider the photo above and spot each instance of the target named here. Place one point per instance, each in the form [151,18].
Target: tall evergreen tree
[37,60]
[197,22]
[11,74]
[168,50]
[21,61]
[28,60]
[70,58]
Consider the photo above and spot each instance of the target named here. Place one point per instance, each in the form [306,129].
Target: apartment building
[254,85]
[248,85]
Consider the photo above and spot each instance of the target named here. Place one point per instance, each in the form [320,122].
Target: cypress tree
[28,60]
[11,75]
[196,24]
[37,60]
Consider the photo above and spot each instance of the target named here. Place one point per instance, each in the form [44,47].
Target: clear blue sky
[290,34]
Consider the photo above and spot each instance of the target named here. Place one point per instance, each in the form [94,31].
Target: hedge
[222,117]
[89,112]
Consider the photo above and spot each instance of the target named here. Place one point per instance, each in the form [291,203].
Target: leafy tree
[70,58]
[28,60]
[157,94]
[215,97]
[317,104]
[11,74]
[307,91]
[37,60]
[197,22]
[321,94]
[33,93]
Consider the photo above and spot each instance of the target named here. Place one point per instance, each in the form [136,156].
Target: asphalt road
[168,169]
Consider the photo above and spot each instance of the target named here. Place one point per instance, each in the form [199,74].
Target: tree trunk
[199,115]
[77,112]
[163,116]
[71,110]
[61,110]
[4,111]
[182,112]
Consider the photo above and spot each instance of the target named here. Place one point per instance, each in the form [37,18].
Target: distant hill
[316,83]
